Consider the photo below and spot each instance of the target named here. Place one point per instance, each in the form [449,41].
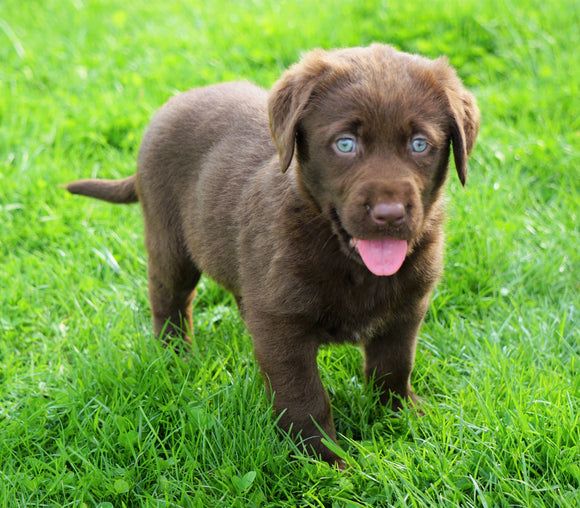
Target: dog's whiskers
[332,235]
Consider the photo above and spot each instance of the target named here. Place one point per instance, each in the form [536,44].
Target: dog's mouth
[382,256]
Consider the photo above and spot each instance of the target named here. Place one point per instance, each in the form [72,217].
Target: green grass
[94,412]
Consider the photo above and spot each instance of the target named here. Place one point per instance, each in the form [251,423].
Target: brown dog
[332,232]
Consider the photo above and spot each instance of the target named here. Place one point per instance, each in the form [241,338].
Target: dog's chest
[354,332]
[348,320]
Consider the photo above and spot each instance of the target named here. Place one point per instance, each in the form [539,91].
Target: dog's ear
[464,116]
[289,98]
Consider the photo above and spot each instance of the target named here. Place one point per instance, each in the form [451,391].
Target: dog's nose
[388,213]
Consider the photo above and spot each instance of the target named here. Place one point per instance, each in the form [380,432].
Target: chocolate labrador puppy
[318,205]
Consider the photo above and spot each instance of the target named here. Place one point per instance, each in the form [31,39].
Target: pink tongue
[384,256]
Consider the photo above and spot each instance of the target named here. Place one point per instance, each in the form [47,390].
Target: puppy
[318,205]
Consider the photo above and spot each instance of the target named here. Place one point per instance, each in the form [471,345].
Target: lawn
[93,412]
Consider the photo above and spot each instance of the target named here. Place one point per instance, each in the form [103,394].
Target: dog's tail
[113,191]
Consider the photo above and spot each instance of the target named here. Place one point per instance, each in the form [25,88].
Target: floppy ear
[464,130]
[464,117]
[288,100]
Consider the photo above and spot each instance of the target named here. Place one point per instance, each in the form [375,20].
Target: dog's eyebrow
[433,130]
[343,126]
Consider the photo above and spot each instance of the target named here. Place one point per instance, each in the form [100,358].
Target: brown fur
[268,208]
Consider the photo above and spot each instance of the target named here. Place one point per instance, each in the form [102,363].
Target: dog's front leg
[287,358]
[389,359]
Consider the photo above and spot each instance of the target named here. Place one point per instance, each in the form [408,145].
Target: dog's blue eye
[419,145]
[345,145]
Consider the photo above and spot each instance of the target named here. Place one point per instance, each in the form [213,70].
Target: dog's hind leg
[172,279]
[171,293]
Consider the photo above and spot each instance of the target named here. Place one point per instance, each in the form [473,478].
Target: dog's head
[371,130]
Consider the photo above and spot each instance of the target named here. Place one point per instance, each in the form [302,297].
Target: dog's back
[197,155]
